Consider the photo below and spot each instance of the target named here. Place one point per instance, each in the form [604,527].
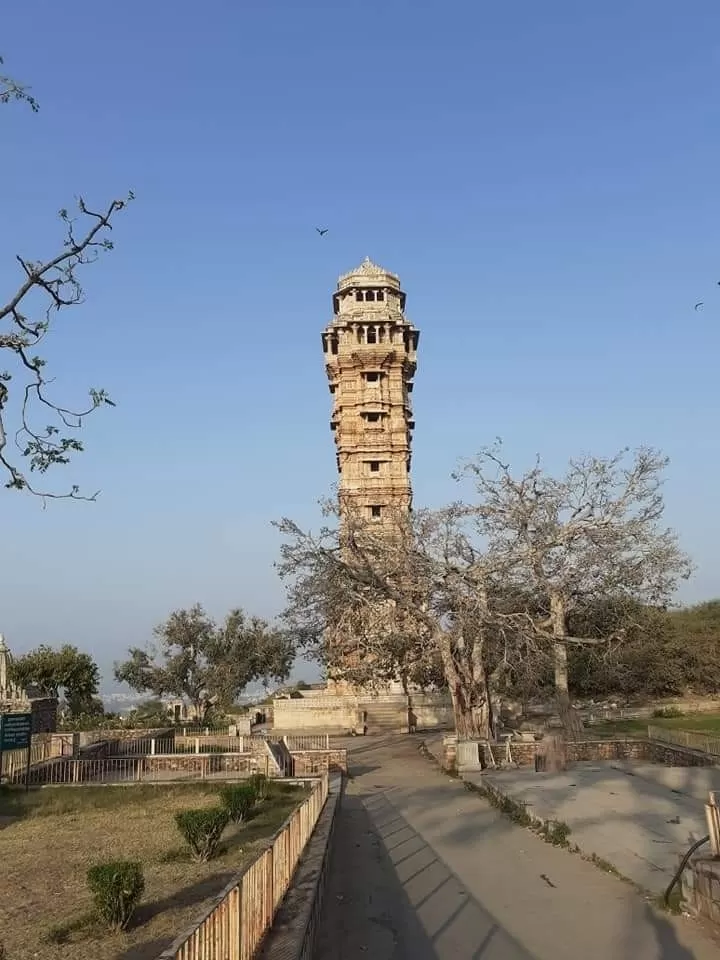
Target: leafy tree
[207,663]
[65,672]
[153,709]
[665,653]
[46,286]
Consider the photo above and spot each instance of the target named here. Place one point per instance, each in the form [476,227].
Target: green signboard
[15,731]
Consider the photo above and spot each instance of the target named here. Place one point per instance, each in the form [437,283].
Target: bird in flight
[699,304]
[322,231]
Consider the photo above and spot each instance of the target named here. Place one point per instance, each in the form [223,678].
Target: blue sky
[543,177]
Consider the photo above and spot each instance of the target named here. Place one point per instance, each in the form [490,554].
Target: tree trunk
[471,712]
[569,717]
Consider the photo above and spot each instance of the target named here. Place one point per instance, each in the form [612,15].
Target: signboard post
[16,734]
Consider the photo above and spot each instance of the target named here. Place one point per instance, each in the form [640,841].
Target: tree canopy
[207,663]
[65,672]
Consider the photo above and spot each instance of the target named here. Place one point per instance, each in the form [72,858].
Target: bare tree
[593,534]
[45,287]
[399,604]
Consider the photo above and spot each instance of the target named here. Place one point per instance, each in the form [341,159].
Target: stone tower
[370,352]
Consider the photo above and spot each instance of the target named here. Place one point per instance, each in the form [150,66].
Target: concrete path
[634,822]
[424,870]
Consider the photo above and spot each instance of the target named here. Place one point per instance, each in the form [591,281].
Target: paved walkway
[424,870]
[621,813]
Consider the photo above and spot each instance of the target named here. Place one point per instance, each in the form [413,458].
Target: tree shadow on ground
[389,895]
[196,893]
[150,950]
[358,769]
[669,947]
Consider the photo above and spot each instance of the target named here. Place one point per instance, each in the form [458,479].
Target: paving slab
[639,826]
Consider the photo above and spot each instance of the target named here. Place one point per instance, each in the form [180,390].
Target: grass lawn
[49,838]
[701,722]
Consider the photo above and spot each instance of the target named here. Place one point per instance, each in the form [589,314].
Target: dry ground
[48,841]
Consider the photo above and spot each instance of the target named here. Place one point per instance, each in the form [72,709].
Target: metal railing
[233,928]
[317,741]
[151,769]
[693,740]
[151,746]
[14,761]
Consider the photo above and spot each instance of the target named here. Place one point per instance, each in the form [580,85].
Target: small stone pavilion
[13,699]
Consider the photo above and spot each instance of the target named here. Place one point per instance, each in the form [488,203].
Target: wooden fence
[233,927]
[694,740]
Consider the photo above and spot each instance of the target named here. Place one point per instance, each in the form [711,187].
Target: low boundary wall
[523,753]
[701,888]
[153,768]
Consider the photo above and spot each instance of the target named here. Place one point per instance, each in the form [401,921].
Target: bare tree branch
[51,285]
[593,533]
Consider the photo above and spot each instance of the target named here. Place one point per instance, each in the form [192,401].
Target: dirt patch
[51,838]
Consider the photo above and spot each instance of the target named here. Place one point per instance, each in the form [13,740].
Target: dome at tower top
[368,274]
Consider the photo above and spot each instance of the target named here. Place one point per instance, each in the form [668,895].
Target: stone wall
[701,888]
[202,765]
[315,713]
[432,711]
[385,712]
[44,714]
[524,752]
[310,763]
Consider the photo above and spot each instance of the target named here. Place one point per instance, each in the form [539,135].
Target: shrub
[116,887]
[667,713]
[261,785]
[238,800]
[202,830]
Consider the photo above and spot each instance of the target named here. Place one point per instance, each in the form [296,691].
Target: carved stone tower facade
[370,352]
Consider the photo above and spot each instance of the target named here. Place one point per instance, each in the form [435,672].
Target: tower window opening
[372,376]
[381,334]
[376,511]
[334,345]
[374,466]
[369,295]
[332,388]
[371,335]
[380,295]
[358,295]
[358,334]
[372,417]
